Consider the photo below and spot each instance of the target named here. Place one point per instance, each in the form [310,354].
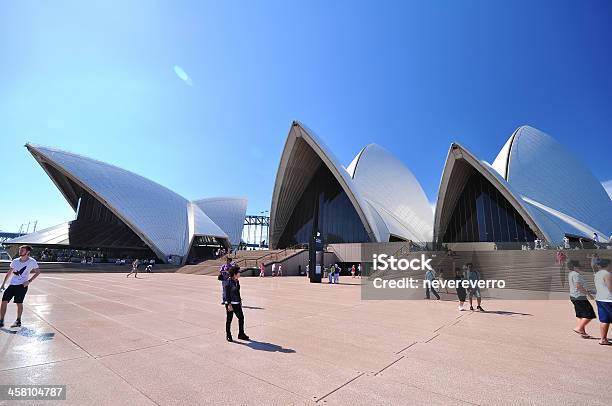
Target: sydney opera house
[534,189]
[121,214]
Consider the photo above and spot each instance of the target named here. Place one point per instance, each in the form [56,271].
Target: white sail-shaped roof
[552,179]
[56,235]
[384,210]
[550,188]
[159,216]
[228,213]
[391,188]
[459,164]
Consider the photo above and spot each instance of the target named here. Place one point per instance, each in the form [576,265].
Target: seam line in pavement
[131,350]
[126,381]
[340,387]
[397,360]
[61,332]
[44,363]
[247,374]
[405,348]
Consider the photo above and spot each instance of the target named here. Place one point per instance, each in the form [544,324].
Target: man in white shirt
[19,273]
[579,296]
[566,243]
[603,298]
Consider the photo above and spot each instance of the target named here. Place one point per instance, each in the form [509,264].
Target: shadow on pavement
[28,332]
[263,346]
[253,307]
[505,313]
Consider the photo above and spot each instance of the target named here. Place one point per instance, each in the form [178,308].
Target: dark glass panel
[483,214]
[324,206]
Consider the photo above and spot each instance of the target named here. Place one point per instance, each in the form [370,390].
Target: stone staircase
[534,270]
[246,260]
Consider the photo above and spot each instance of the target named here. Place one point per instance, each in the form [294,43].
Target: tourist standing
[594,262]
[579,296]
[473,276]
[233,304]
[274,269]
[566,243]
[430,276]
[441,279]
[603,298]
[280,269]
[461,294]
[353,271]
[19,273]
[134,270]
[337,274]
[262,270]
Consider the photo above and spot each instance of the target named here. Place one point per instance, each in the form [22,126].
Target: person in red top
[353,271]
[562,261]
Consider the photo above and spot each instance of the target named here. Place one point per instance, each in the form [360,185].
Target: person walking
[430,276]
[134,268]
[337,274]
[233,304]
[603,298]
[280,270]
[473,276]
[579,296]
[442,279]
[461,294]
[262,270]
[274,269]
[353,271]
[19,274]
[562,261]
[594,262]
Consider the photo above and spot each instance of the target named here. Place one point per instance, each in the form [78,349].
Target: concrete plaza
[160,340]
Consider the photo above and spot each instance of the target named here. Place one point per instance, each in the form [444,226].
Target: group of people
[136,264]
[276,271]
[333,274]
[467,272]
[580,295]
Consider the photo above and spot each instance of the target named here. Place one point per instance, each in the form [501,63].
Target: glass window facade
[97,226]
[326,208]
[482,214]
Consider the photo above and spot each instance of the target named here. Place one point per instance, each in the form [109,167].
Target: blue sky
[199,96]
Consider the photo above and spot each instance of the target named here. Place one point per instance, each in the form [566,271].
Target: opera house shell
[535,188]
[121,211]
[375,199]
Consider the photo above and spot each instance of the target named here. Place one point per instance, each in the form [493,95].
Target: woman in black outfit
[461,293]
[233,304]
